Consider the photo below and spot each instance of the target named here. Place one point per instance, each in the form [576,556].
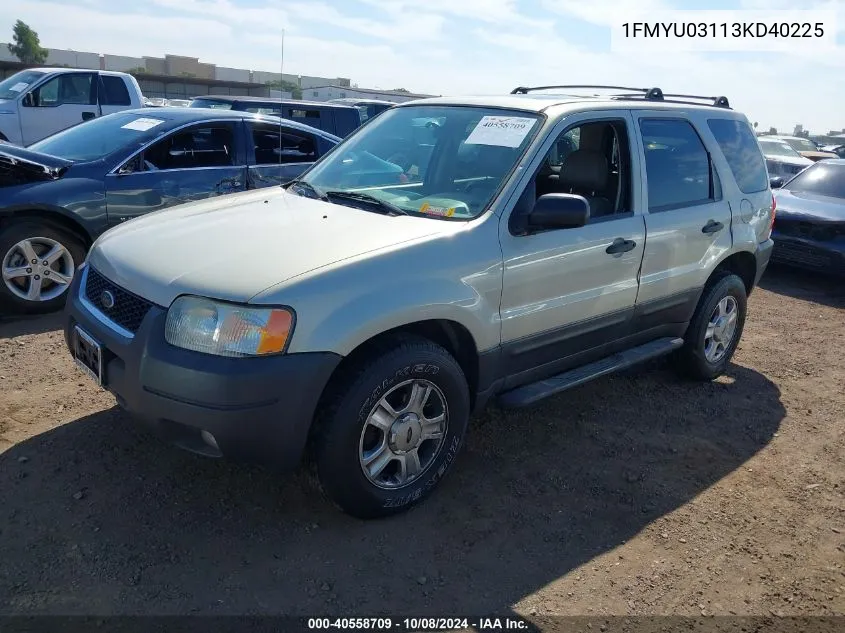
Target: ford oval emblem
[107,299]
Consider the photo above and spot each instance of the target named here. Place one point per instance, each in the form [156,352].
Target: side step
[529,394]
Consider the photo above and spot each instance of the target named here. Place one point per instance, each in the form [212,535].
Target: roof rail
[648,94]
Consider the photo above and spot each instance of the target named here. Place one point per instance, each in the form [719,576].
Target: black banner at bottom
[510,622]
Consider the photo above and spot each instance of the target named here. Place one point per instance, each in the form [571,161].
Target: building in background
[178,76]
[336,91]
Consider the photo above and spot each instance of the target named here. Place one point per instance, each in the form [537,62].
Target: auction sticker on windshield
[502,131]
[142,125]
[19,87]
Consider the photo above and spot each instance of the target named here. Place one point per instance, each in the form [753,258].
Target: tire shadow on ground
[98,517]
[809,286]
[10,327]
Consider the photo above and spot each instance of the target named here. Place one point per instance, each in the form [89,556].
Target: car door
[62,101]
[191,163]
[568,294]
[688,221]
[277,153]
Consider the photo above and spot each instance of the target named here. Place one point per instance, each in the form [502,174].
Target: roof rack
[648,94]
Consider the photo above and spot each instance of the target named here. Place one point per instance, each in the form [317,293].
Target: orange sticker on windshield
[446,212]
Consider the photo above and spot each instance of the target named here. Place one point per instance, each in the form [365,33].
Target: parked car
[60,194]
[839,149]
[809,231]
[367,107]
[781,159]
[366,322]
[804,146]
[38,102]
[333,118]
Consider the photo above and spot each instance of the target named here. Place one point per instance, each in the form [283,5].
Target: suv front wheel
[715,329]
[394,425]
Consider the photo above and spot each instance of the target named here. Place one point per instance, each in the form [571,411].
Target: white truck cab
[38,102]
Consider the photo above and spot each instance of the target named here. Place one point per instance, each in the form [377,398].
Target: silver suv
[450,251]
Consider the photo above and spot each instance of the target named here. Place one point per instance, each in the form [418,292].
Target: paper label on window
[503,131]
[142,125]
[19,87]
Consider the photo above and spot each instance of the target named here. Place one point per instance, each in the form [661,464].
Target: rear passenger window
[277,145]
[739,145]
[198,147]
[114,92]
[678,169]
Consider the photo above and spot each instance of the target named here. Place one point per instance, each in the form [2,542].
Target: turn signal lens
[225,329]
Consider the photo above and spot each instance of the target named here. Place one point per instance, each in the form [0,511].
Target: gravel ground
[635,494]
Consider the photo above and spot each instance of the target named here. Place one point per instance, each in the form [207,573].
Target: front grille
[801,255]
[810,230]
[128,310]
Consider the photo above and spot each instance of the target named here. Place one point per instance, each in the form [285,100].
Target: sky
[453,47]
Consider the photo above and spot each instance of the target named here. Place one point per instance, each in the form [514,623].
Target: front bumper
[256,409]
[810,254]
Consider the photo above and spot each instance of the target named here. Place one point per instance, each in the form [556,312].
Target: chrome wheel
[721,330]
[403,434]
[38,269]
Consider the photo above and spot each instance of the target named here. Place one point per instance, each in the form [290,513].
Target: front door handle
[87,116]
[620,245]
[712,227]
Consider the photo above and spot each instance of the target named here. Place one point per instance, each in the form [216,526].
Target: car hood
[233,247]
[19,166]
[806,206]
[799,161]
[814,156]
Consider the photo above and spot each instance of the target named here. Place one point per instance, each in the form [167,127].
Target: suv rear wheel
[37,263]
[715,329]
[393,427]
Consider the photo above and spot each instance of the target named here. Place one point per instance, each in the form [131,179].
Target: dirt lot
[637,494]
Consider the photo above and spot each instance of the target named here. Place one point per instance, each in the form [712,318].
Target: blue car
[58,195]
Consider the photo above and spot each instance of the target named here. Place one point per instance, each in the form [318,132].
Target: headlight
[227,329]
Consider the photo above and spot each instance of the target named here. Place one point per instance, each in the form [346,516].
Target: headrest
[584,170]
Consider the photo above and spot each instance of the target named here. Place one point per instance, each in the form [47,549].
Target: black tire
[15,232]
[338,430]
[691,360]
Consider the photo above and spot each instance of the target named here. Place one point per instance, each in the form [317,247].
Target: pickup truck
[38,102]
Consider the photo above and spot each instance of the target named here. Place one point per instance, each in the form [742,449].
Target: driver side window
[70,88]
[591,159]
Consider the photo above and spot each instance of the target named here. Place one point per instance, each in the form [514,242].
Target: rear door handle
[87,116]
[620,245]
[712,227]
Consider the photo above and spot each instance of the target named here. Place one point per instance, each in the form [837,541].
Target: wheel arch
[742,264]
[56,216]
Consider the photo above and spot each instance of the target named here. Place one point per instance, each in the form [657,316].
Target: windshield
[211,103]
[823,179]
[778,148]
[802,144]
[12,87]
[437,161]
[100,137]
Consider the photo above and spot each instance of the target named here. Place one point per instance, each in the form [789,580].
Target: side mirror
[559,211]
[28,100]
[776,182]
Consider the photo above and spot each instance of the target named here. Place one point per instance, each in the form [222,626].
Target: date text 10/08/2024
[723,29]
[417,624]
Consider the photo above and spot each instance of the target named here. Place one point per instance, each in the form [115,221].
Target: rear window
[114,91]
[211,103]
[739,145]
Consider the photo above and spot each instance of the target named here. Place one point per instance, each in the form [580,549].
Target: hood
[798,161]
[815,156]
[234,247]
[807,206]
[20,166]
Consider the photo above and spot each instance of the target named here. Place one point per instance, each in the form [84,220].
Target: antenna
[281,80]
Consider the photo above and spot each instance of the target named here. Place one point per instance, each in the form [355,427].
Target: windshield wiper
[307,186]
[357,196]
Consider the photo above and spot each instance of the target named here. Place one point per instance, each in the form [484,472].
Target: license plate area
[88,354]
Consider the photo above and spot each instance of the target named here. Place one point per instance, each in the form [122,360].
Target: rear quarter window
[739,146]
[114,91]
